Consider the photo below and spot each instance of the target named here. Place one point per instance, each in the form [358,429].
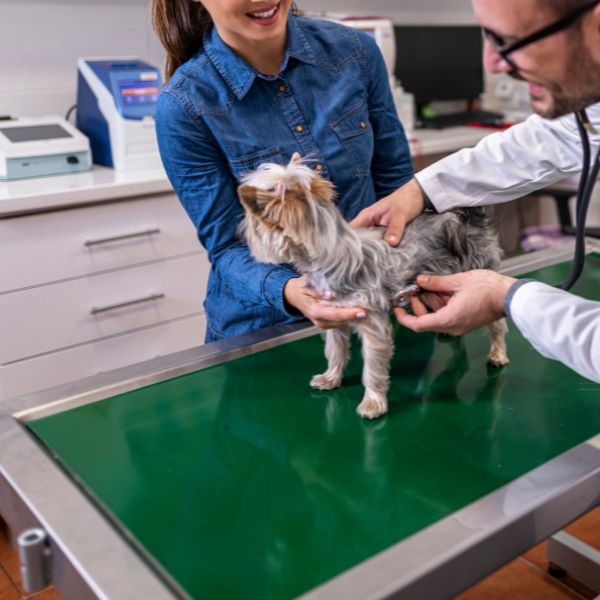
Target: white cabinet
[86,289]
[55,246]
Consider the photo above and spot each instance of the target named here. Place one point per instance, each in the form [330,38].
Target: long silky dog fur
[291,217]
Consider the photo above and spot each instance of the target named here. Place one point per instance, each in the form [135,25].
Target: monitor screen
[440,62]
[34,133]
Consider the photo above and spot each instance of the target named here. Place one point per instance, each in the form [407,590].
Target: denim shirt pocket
[356,136]
[249,162]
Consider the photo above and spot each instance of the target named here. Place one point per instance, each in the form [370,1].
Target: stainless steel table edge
[451,555]
[87,544]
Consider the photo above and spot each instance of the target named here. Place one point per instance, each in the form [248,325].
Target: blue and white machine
[33,147]
[116,104]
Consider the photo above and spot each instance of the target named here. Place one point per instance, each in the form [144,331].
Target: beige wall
[41,40]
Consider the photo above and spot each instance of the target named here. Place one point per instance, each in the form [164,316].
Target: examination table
[218,472]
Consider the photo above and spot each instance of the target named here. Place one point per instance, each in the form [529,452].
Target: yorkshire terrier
[291,217]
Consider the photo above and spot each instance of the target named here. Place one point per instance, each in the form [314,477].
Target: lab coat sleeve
[558,324]
[509,164]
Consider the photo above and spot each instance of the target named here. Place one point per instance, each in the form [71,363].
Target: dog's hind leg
[337,345]
[377,349]
[497,356]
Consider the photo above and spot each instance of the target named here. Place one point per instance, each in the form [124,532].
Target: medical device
[116,104]
[32,147]
[403,297]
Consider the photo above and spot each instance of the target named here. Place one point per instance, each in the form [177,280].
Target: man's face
[562,70]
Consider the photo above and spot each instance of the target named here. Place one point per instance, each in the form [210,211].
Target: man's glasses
[504,49]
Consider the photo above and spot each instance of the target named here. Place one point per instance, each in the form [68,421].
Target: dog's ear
[322,189]
[296,158]
[248,196]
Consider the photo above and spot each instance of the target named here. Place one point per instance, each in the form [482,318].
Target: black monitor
[440,62]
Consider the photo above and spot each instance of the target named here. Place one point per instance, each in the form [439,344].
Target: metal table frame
[90,559]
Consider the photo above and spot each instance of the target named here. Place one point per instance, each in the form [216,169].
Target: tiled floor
[523,579]
[526,578]
[10,580]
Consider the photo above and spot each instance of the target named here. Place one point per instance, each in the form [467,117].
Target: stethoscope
[584,194]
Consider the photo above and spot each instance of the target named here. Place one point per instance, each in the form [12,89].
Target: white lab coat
[508,165]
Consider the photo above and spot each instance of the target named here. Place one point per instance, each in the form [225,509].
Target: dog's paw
[372,407]
[497,359]
[325,382]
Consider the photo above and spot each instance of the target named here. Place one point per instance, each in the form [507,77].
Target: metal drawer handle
[118,238]
[103,309]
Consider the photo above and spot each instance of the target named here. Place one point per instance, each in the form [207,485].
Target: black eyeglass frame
[504,49]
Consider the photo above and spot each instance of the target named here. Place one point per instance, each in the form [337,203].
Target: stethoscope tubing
[584,193]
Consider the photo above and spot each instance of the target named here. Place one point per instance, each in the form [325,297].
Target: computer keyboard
[484,117]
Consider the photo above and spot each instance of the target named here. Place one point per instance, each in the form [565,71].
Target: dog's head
[282,206]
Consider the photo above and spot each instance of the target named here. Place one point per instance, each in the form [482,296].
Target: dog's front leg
[337,345]
[377,349]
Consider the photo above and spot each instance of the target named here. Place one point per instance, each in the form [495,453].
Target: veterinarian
[249,82]
[562,66]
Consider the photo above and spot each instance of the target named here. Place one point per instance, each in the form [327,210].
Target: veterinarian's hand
[393,212]
[297,293]
[461,303]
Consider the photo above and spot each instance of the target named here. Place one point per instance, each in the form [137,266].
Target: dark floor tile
[47,594]
[519,580]
[587,528]
[8,590]
[9,559]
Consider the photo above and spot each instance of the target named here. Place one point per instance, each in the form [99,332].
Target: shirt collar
[237,73]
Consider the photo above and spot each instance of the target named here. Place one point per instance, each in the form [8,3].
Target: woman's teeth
[265,15]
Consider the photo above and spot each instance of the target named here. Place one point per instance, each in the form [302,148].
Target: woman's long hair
[180,27]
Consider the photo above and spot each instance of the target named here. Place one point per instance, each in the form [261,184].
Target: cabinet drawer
[47,318]
[59,245]
[61,367]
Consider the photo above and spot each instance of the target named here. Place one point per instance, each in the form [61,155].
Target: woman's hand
[461,302]
[297,293]
[393,212]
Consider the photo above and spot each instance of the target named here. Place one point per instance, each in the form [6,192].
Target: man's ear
[248,196]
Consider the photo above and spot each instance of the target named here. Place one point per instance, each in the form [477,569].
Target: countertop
[102,184]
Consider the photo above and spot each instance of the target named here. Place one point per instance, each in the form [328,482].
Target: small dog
[290,217]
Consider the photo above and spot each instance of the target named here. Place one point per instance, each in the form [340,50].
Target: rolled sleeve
[273,284]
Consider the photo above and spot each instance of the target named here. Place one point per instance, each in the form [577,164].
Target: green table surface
[241,481]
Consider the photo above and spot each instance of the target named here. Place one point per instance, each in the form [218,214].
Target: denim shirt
[219,118]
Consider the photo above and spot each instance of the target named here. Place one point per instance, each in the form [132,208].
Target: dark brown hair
[180,27]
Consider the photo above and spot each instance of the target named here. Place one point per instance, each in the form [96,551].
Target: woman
[250,81]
